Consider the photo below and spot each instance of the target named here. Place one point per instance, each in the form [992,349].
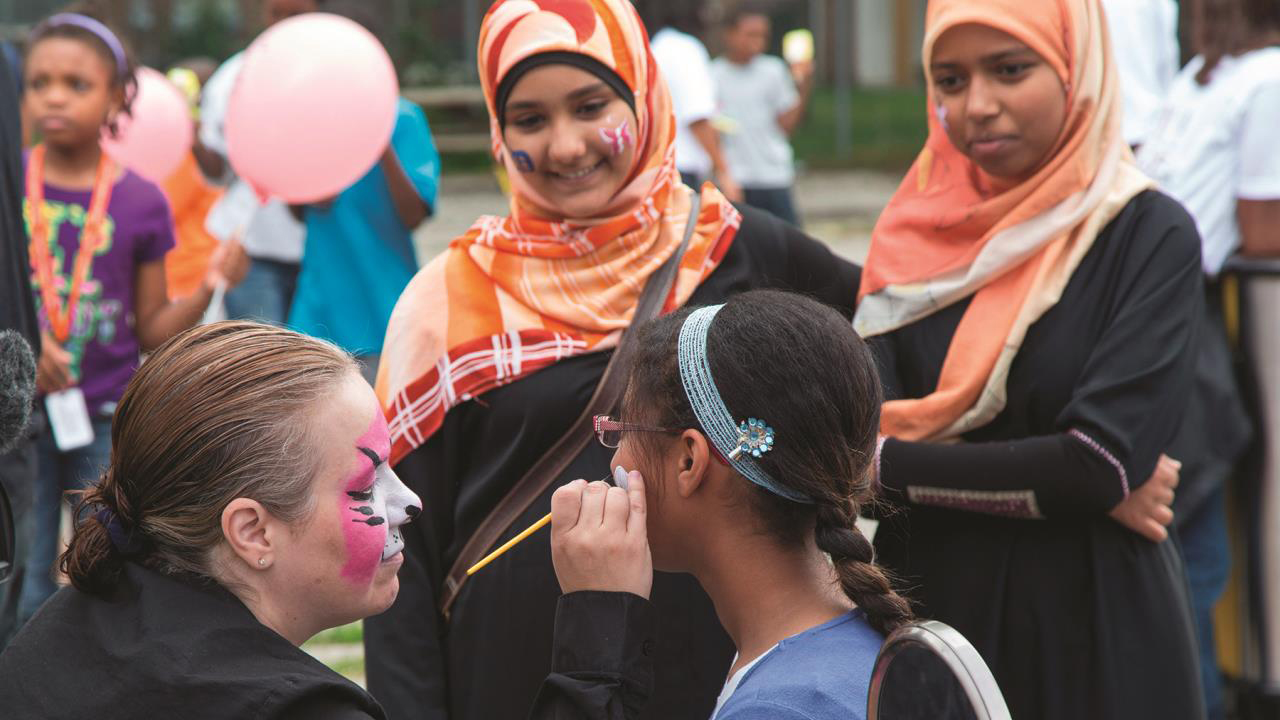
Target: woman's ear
[249,530]
[692,457]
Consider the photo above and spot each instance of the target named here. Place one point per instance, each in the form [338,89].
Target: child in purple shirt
[99,234]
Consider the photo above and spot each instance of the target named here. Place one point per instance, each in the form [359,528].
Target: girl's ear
[692,457]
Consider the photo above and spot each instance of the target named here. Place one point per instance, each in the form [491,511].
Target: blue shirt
[822,673]
[359,255]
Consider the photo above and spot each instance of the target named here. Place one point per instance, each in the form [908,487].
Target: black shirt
[1006,536]
[160,647]
[490,659]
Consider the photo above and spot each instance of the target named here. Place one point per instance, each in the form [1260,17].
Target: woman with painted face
[1034,306]
[498,344]
[248,505]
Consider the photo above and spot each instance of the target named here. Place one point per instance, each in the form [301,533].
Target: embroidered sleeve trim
[1095,446]
[1009,503]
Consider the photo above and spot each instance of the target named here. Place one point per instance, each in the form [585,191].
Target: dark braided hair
[798,365]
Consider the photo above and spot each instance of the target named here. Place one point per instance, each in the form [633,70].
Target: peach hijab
[517,293]
[943,237]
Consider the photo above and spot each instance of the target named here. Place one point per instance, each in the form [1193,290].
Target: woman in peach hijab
[1034,306]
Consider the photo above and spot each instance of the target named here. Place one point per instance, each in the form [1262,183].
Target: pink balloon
[313,108]
[157,136]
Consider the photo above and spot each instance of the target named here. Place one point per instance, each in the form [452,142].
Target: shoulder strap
[554,462]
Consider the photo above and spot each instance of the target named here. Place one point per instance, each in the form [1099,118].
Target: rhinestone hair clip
[741,443]
[755,438]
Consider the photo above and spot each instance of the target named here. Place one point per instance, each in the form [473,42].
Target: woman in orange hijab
[1034,308]
[497,345]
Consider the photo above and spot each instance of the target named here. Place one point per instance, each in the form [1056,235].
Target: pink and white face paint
[618,137]
[374,506]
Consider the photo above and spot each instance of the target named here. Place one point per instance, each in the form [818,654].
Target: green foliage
[352,633]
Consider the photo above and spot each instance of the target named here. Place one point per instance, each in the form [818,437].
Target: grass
[888,129]
[352,633]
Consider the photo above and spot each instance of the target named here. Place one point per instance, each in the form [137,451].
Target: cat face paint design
[523,162]
[374,506]
[619,137]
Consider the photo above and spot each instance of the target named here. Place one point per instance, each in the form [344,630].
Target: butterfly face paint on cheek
[941,111]
[523,162]
[374,504]
[618,137]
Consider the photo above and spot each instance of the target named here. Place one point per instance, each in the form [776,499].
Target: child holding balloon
[99,234]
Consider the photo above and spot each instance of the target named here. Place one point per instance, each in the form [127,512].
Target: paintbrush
[517,539]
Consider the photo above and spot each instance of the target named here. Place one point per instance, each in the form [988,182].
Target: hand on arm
[1149,509]
[1259,227]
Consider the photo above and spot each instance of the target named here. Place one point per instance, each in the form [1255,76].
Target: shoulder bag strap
[549,467]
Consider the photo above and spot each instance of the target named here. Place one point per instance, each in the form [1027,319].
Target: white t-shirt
[751,97]
[1216,143]
[1144,43]
[686,66]
[267,231]
[731,685]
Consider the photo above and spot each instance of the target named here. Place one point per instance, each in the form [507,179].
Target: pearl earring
[262,562]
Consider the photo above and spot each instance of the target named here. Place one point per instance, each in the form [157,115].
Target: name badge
[69,418]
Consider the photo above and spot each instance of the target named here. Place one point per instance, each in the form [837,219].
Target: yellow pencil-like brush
[516,540]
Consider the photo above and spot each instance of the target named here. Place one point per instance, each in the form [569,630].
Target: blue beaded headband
[740,443]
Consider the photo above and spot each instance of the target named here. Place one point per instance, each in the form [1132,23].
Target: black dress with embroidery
[491,657]
[1007,537]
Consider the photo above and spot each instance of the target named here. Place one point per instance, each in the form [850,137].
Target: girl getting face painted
[374,504]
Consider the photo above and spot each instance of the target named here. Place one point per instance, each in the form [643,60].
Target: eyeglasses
[609,431]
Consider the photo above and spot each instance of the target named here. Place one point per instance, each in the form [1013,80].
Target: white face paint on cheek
[398,504]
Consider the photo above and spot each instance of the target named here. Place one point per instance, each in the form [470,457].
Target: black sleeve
[327,703]
[1124,410]
[404,646]
[17,302]
[601,667]
[791,260]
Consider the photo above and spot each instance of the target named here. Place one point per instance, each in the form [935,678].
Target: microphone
[17,387]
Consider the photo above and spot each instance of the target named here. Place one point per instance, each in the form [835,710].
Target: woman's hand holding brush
[599,540]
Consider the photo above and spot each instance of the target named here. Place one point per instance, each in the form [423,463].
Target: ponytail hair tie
[127,541]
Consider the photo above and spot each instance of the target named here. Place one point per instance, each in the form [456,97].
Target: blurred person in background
[1144,39]
[191,196]
[1215,146]
[271,235]
[763,100]
[674,27]
[99,234]
[360,253]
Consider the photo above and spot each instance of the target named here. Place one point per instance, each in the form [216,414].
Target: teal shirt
[359,255]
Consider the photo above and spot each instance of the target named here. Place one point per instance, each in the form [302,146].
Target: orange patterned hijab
[518,293]
[942,238]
